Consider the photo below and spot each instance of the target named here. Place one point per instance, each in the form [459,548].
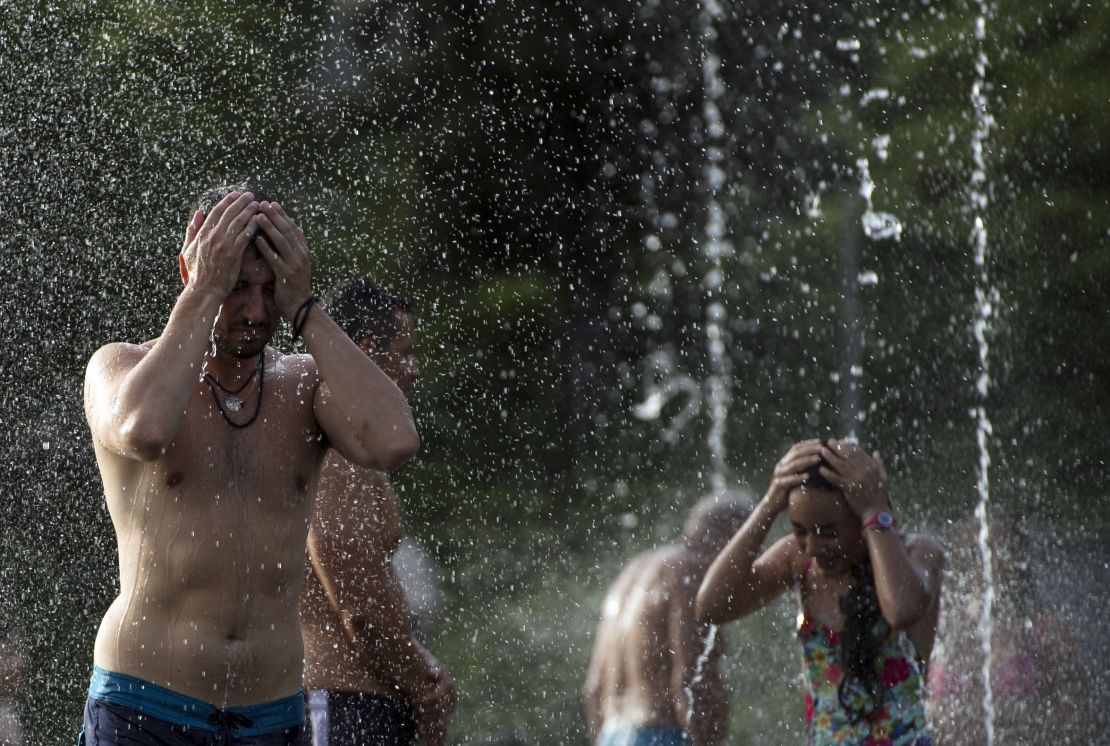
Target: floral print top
[898,720]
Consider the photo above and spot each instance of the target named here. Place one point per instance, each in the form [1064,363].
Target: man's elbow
[400,449]
[704,608]
[145,441]
[391,454]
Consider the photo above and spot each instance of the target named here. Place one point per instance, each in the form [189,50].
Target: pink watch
[882,520]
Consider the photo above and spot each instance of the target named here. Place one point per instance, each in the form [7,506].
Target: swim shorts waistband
[621,734]
[180,709]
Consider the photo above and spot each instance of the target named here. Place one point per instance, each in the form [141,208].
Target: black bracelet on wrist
[300,318]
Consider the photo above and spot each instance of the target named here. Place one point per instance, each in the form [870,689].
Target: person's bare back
[637,681]
[644,676]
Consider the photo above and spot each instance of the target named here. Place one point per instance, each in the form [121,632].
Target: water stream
[985,301]
[699,671]
[715,247]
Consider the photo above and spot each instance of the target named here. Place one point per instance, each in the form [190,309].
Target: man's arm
[698,694]
[135,398]
[359,408]
[353,561]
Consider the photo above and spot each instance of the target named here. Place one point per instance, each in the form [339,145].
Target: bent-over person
[644,686]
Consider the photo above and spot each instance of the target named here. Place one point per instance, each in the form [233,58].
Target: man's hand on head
[213,250]
[285,249]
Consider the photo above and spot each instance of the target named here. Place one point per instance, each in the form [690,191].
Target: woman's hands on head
[790,472]
[859,476]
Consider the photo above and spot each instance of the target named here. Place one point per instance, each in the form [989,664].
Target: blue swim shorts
[124,710]
[345,718]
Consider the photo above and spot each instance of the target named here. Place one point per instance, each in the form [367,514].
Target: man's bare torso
[362,510]
[637,672]
[211,542]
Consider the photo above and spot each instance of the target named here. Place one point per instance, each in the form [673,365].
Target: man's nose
[254,310]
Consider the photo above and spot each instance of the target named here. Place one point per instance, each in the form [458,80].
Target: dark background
[534,176]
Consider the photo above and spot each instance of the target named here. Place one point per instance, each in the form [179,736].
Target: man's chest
[274,458]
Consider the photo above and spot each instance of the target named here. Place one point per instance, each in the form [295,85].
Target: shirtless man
[209,444]
[369,681]
[648,642]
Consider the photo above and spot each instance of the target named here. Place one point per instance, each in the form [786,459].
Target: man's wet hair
[206,201]
[715,518]
[364,309]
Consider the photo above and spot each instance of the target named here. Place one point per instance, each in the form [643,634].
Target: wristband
[300,318]
[882,520]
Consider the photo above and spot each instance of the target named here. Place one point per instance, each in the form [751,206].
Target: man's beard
[242,350]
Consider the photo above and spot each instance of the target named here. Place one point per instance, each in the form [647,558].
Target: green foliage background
[532,174]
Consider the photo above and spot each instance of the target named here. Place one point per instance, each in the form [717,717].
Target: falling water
[984,303]
[876,225]
[715,247]
[699,671]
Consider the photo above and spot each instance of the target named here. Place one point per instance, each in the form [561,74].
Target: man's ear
[184,269]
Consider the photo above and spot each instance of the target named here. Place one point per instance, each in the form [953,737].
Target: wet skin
[827,538]
[826,530]
[211,520]
[211,539]
[646,647]
[355,617]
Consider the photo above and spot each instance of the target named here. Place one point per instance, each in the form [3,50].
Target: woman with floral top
[869,594]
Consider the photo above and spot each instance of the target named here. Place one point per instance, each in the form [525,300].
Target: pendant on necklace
[234,403]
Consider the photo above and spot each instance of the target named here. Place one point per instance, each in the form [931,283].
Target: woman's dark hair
[816,480]
[860,644]
[861,641]
[365,310]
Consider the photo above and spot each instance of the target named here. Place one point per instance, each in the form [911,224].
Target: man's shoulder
[666,563]
[115,354]
[294,364]
[117,347]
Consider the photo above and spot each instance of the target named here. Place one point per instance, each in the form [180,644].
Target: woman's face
[826,529]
